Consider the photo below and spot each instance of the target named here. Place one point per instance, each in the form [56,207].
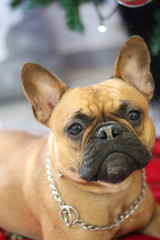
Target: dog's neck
[71,189]
[70,215]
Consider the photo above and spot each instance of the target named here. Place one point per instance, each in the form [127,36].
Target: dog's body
[101,138]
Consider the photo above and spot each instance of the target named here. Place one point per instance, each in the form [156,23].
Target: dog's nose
[108,132]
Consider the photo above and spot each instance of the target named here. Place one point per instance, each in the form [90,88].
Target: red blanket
[153,179]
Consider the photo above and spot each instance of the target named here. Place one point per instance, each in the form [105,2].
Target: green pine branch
[155,38]
[72,16]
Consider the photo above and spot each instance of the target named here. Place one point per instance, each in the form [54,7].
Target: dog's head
[101,132]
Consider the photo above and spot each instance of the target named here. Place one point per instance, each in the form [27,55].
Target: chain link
[70,215]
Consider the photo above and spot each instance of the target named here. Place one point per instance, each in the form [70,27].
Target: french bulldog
[86,180]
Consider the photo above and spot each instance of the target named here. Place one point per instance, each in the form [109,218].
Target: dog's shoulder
[20,141]
[20,135]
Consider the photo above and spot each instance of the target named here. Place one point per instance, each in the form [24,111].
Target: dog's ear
[133,66]
[43,89]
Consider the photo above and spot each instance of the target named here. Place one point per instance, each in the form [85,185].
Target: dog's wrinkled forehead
[105,98]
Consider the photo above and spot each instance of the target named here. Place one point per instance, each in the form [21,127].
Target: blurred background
[78,40]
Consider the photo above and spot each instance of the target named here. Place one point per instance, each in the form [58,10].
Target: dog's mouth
[112,158]
[116,167]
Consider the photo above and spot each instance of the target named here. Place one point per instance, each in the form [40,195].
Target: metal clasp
[67,214]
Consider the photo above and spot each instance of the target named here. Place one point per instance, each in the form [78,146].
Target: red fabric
[153,171]
[138,237]
[153,179]
[3,235]
[156,150]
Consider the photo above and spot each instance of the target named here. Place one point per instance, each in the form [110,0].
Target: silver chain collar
[70,215]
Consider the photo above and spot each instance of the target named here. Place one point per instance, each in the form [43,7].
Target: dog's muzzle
[112,153]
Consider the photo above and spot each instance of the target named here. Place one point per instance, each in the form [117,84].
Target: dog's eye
[134,115]
[74,129]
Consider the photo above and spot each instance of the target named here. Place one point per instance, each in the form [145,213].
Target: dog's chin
[115,168]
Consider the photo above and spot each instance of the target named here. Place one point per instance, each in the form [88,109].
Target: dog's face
[101,132]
